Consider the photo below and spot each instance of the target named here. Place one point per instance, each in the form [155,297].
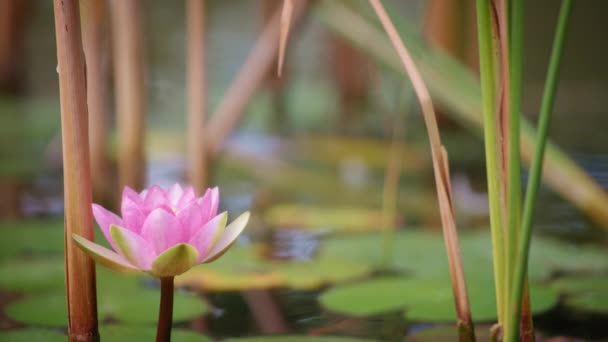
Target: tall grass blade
[537,165]
[488,84]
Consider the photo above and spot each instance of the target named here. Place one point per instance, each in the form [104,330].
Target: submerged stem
[165,313]
[536,168]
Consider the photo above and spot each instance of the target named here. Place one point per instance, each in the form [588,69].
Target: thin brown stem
[286,19]
[440,169]
[249,80]
[165,313]
[197,168]
[127,39]
[80,269]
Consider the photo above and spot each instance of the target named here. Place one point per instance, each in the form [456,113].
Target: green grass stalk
[536,168]
[488,85]
[514,165]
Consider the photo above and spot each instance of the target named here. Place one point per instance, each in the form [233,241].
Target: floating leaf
[324,218]
[587,294]
[120,333]
[119,297]
[244,269]
[31,237]
[578,284]
[31,334]
[596,301]
[423,299]
[368,298]
[322,271]
[32,275]
[294,338]
[371,152]
[423,254]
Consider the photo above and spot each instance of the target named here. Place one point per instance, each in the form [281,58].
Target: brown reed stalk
[442,177]
[80,269]
[248,81]
[286,19]
[196,78]
[128,50]
[95,42]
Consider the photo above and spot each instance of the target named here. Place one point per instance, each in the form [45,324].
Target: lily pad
[295,338]
[595,302]
[368,298]
[242,268]
[423,254]
[580,284]
[371,152]
[585,294]
[31,237]
[423,299]
[31,334]
[324,218]
[119,297]
[120,333]
[32,275]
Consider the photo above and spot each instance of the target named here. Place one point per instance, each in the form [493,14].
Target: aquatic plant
[163,233]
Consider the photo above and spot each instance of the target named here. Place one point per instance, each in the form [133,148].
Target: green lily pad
[242,268]
[31,334]
[423,299]
[46,275]
[32,275]
[369,298]
[575,285]
[294,338]
[595,302]
[586,294]
[119,297]
[323,218]
[31,237]
[120,333]
[423,254]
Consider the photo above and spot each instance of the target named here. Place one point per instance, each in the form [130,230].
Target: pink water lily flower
[163,233]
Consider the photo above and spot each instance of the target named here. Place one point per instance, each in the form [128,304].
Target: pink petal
[162,229]
[210,203]
[188,196]
[133,215]
[191,219]
[155,197]
[131,194]
[232,231]
[204,239]
[105,219]
[133,247]
[174,194]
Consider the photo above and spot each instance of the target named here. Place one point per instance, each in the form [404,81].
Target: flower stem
[535,171]
[165,314]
